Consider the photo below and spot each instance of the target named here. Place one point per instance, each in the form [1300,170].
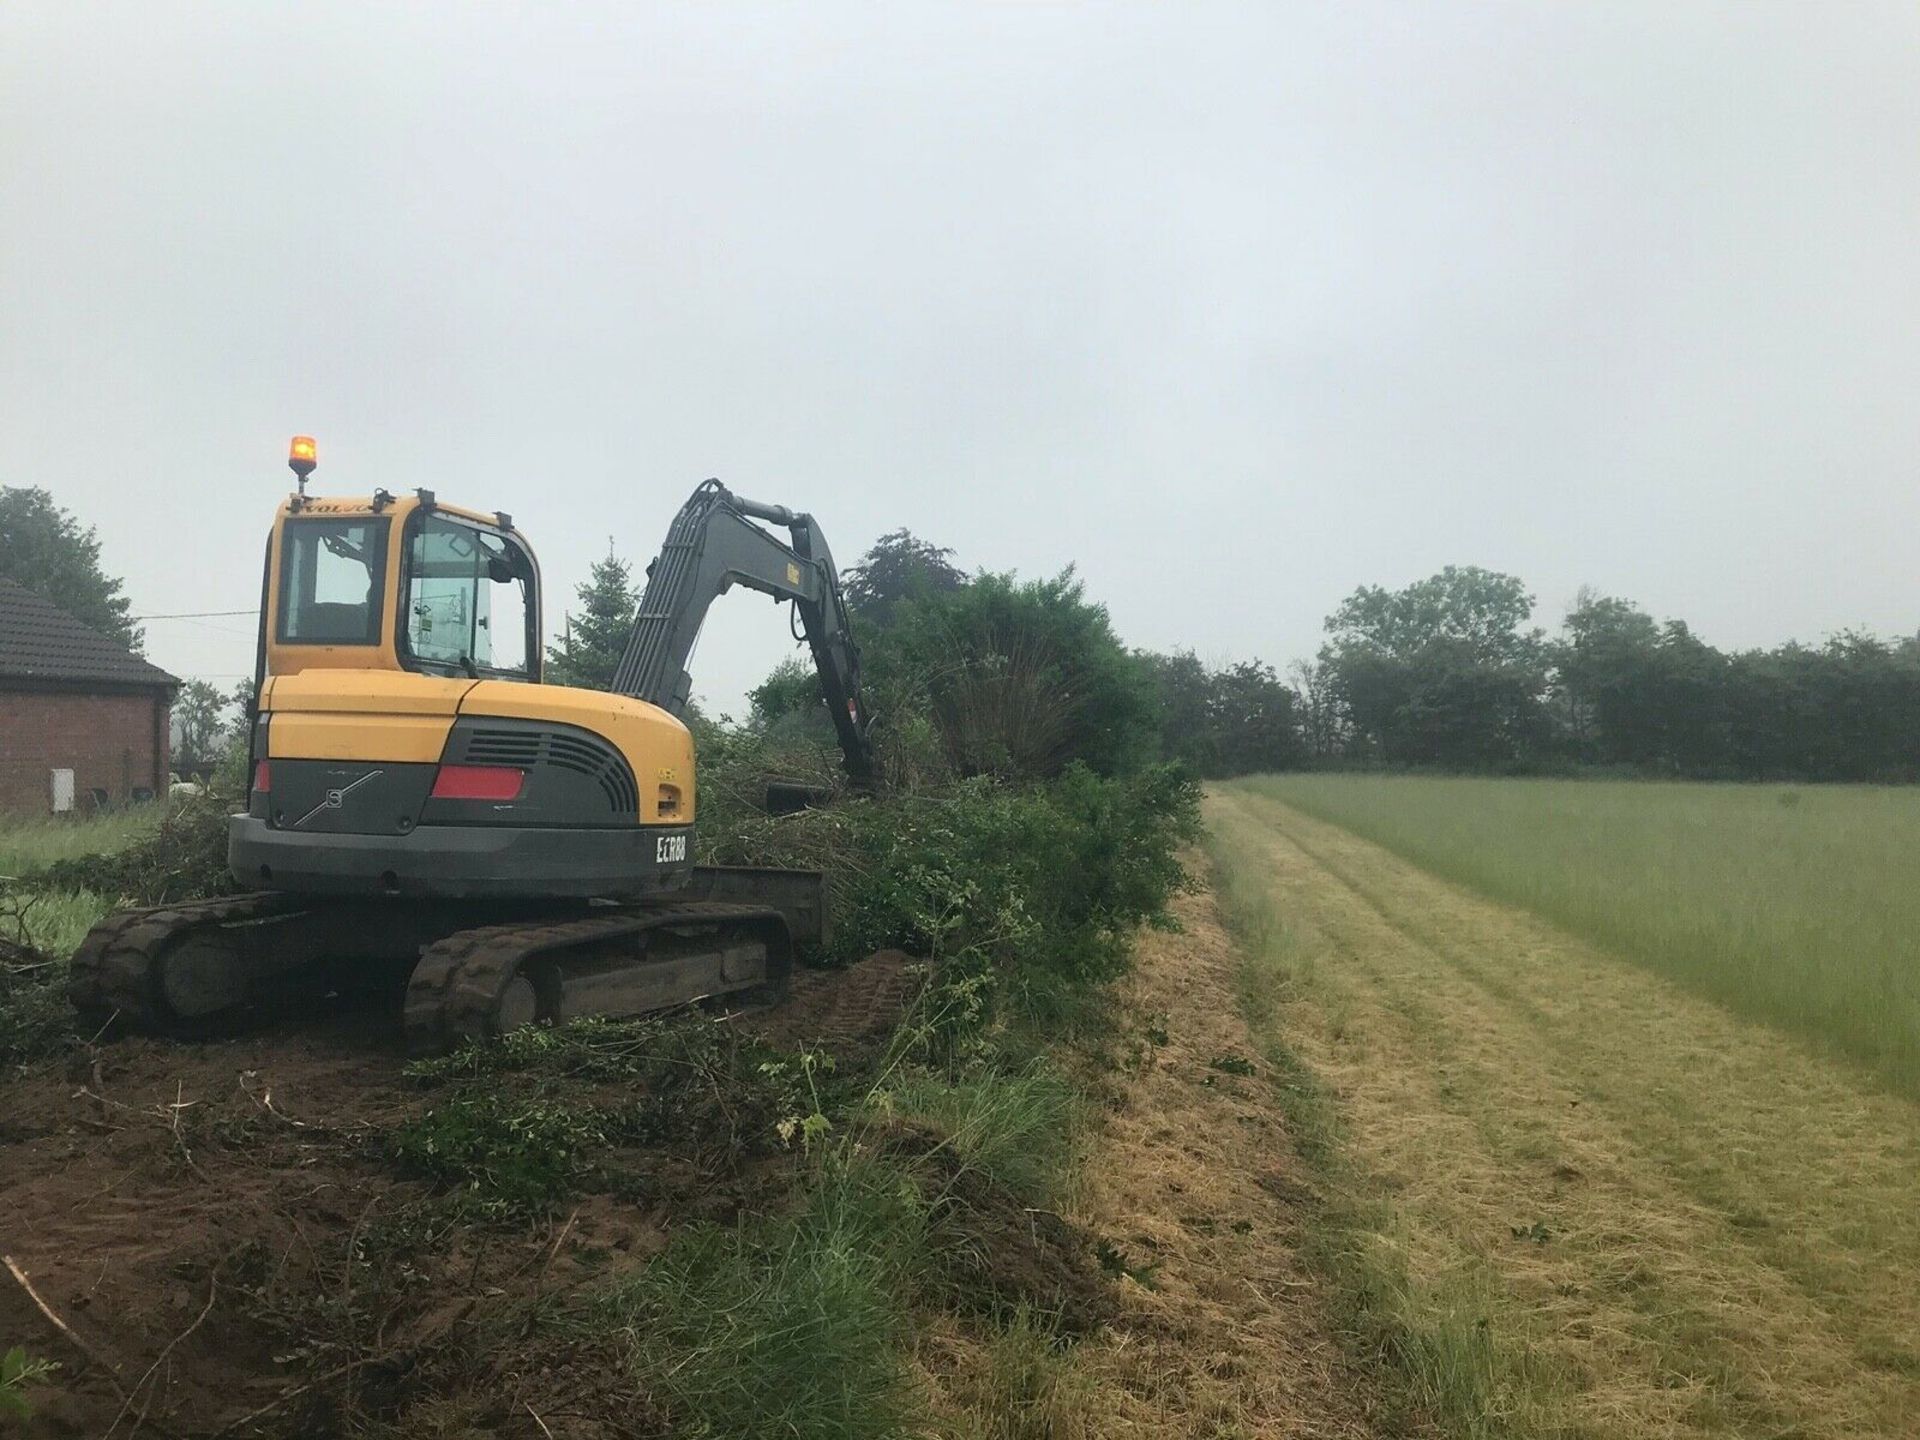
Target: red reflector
[478,782]
[260,776]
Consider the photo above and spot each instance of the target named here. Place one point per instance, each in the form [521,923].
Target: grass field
[1566,1196]
[1798,906]
[56,920]
[30,845]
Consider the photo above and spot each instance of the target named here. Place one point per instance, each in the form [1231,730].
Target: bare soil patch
[219,1225]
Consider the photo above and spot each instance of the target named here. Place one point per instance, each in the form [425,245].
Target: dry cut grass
[1588,1201]
[1194,1180]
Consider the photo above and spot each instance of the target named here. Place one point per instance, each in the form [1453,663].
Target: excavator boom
[714,545]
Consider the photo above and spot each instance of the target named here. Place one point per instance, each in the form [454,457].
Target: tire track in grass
[1444,1095]
[1599,1096]
[1780,1114]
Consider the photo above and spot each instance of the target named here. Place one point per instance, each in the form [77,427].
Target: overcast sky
[1234,308]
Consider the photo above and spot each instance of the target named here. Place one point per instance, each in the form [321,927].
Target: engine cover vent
[547,753]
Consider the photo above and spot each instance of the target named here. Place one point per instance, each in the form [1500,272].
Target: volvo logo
[336,799]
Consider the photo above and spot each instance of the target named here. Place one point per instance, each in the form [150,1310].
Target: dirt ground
[217,1229]
[205,1220]
[1195,1178]
[212,1224]
[1675,1222]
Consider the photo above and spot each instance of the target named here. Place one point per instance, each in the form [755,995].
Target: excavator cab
[404,744]
[464,588]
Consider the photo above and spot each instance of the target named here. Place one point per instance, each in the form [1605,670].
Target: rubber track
[112,977]
[455,988]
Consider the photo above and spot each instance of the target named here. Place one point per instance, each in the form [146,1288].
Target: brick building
[83,720]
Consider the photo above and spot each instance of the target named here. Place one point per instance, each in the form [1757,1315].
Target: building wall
[116,742]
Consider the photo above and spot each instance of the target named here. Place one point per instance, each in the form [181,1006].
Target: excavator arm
[714,545]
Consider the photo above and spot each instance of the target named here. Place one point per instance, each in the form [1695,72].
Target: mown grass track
[1597,1204]
[1795,905]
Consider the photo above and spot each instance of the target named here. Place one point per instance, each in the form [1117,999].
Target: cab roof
[383,504]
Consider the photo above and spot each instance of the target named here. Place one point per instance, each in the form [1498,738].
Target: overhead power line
[192,615]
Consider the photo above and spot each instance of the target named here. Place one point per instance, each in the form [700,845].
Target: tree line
[1450,672]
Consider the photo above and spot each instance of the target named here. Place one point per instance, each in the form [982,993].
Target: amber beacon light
[302,455]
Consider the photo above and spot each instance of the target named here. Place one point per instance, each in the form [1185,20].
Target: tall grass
[789,1325]
[1019,1126]
[1799,907]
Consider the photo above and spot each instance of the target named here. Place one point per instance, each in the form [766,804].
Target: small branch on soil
[264,1098]
[173,1123]
[213,1289]
[537,1420]
[339,1370]
[554,1249]
[73,1338]
[540,1280]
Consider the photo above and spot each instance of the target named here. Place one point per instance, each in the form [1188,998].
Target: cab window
[467,609]
[332,573]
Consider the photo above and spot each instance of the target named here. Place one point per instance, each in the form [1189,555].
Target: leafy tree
[900,566]
[1443,672]
[1656,697]
[1608,668]
[1250,715]
[1322,724]
[241,699]
[1229,721]
[595,638]
[200,711]
[44,548]
[791,688]
[1182,686]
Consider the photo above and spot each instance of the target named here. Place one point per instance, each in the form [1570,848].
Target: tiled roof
[40,641]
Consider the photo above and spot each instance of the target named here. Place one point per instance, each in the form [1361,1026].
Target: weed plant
[789,1325]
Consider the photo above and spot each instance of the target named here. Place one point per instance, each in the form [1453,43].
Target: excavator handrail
[714,544]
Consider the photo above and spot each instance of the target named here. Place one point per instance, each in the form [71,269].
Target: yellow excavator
[422,805]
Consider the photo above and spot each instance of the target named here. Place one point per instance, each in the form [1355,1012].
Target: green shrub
[183,857]
[532,1117]
[504,1155]
[1022,678]
[18,1370]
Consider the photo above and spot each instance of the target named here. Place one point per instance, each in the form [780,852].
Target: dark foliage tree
[1659,699]
[1182,686]
[900,566]
[1022,678]
[1444,672]
[1323,728]
[1235,720]
[595,636]
[44,548]
[791,688]
[1250,716]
